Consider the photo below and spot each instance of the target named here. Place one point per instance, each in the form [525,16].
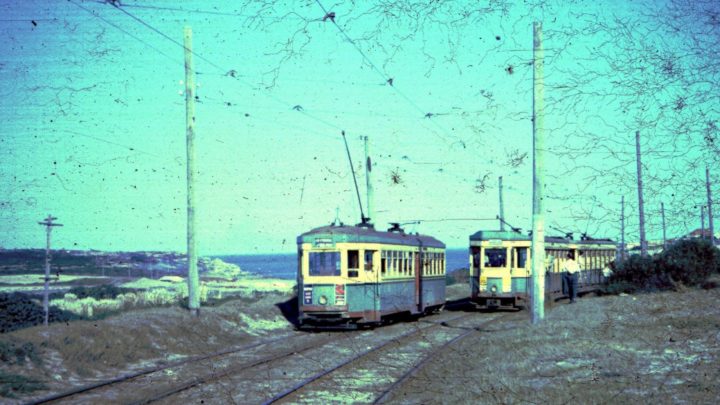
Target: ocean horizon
[284,265]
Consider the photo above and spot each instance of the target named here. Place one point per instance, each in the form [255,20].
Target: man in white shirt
[571,269]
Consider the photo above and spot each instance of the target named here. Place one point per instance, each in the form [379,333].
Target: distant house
[171,279]
[699,233]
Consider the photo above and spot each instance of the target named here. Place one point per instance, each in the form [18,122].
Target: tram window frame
[489,264]
[353,257]
[368,264]
[516,256]
[411,262]
[326,259]
[383,262]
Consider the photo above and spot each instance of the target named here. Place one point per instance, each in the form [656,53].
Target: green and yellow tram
[350,276]
[500,266]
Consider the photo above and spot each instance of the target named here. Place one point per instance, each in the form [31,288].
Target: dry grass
[662,348]
[80,352]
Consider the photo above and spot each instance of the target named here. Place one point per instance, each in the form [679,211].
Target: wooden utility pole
[709,199]
[48,223]
[537,295]
[622,228]
[662,212]
[702,221]
[502,210]
[193,277]
[368,183]
[641,206]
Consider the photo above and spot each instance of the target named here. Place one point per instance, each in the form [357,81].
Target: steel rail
[417,367]
[319,375]
[127,377]
[216,376]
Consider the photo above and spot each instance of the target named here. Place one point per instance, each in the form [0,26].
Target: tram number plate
[493,303]
[307,295]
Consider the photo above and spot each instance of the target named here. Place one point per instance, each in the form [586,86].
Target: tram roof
[516,236]
[361,234]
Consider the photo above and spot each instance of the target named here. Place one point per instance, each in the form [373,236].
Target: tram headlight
[493,289]
[322,300]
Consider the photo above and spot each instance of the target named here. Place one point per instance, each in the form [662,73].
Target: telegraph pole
[502,211]
[641,207]
[702,221]
[368,184]
[538,236]
[48,226]
[193,277]
[709,199]
[622,228]
[662,211]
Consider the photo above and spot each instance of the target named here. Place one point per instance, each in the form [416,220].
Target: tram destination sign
[323,242]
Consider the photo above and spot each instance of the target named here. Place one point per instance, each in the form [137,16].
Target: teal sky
[93,116]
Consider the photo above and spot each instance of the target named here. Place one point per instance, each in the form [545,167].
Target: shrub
[98,292]
[689,261]
[686,262]
[634,273]
[13,352]
[14,385]
[20,311]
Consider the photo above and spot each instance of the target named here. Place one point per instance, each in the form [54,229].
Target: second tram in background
[500,266]
[350,276]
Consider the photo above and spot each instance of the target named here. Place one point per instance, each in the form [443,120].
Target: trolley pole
[502,210]
[709,203]
[193,277]
[641,206]
[48,223]
[537,295]
[368,183]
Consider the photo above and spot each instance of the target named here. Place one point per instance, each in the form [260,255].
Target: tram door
[419,269]
[373,264]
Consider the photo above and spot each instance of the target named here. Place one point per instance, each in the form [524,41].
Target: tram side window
[353,262]
[324,263]
[521,254]
[369,260]
[495,258]
[383,262]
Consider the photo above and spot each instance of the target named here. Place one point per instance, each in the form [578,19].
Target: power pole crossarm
[48,223]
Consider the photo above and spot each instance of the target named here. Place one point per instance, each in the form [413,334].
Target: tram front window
[324,263]
[495,258]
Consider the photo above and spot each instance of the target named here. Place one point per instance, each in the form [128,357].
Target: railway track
[252,373]
[370,362]
[129,378]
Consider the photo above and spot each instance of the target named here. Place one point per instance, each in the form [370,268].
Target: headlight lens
[493,288]
[323,300]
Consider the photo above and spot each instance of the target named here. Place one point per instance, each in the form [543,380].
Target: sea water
[284,266]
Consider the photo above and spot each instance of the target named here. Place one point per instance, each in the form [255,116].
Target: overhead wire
[386,79]
[221,70]
[123,31]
